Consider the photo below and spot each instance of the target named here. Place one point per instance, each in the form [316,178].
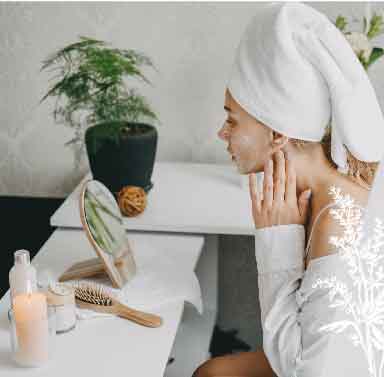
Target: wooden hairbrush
[93,297]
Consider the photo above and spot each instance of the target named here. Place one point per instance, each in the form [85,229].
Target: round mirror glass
[103,224]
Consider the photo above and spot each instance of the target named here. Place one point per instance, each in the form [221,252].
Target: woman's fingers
[255,197]
[303,204]
[268,185]
[279,178]
[279,203]
[290,183]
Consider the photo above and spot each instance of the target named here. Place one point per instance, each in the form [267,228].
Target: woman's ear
[278,141]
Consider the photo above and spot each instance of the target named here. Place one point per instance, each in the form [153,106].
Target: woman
[293,72]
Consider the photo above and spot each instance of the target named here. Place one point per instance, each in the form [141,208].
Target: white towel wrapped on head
[295,72]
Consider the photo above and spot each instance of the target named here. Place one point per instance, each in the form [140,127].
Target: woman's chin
[244,169]
[239,167]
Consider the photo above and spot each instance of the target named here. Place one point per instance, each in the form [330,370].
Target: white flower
[360,44]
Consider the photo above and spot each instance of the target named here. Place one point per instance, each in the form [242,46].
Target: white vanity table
[197,201]
[106,346]
[205,199]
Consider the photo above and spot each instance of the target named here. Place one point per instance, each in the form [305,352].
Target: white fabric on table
[158,281]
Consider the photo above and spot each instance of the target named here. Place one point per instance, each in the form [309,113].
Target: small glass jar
[62,298]
[32,342]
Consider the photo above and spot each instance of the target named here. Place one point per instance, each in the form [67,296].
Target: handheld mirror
[103,225]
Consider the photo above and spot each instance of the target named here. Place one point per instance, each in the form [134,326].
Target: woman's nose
[223,132]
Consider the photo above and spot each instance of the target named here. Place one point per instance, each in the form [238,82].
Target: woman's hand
[280,204]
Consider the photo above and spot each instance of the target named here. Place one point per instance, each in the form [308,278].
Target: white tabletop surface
[105,346]
[186,197]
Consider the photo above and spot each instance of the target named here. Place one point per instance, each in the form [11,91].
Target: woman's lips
[232,156]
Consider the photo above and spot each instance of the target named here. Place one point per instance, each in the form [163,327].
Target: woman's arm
[294,310]
[279,249]
[279,254]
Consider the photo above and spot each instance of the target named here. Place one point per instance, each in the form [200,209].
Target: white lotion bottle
[22,276]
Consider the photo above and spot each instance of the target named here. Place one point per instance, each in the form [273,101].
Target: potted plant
[93,99]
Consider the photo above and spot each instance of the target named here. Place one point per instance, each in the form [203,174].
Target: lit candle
[30,311]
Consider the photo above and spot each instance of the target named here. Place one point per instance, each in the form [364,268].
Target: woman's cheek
[245,146]
[244,141]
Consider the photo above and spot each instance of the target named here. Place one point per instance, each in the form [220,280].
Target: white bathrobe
[292,311]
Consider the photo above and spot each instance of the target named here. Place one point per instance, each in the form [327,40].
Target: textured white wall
[192,45]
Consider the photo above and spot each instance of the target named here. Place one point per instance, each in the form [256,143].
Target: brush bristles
[92,293]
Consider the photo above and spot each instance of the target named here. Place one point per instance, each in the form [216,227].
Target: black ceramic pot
[127,162]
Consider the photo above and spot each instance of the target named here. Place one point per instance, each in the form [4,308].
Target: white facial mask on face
[245,157]
[245,141]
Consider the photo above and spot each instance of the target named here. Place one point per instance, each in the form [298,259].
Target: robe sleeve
[279,254]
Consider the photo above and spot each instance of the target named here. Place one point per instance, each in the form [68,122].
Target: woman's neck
[314,171]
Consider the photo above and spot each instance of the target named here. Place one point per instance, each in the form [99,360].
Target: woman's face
[249,141]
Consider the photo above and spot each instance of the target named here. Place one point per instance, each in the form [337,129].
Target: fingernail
[308,194]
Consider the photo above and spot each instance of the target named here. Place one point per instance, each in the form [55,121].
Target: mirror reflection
[104,219]
[103,225]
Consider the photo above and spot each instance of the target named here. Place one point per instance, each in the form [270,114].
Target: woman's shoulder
[327,225]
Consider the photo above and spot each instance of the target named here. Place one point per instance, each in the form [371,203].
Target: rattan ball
[132,200]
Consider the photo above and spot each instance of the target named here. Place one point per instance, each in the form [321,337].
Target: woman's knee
[209,368]
[246,364]
[204,370]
